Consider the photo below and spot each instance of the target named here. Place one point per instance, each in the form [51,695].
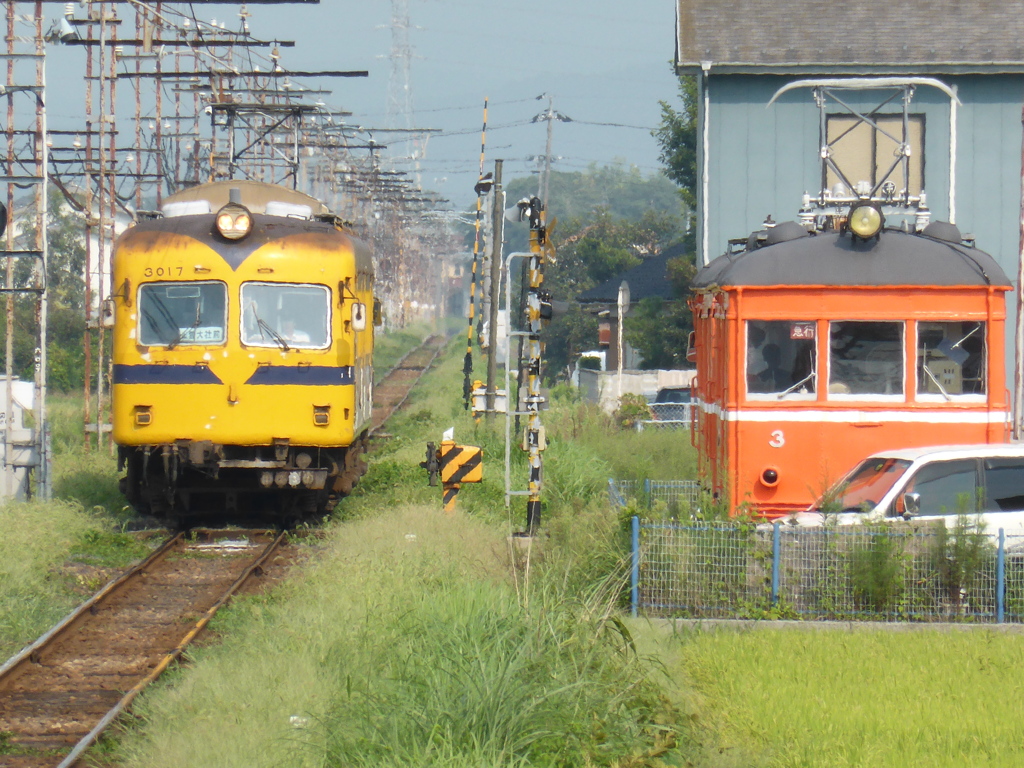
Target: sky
[602,61]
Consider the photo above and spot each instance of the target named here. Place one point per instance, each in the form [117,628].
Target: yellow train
[242,366]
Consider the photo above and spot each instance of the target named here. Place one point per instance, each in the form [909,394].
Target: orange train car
[815,349]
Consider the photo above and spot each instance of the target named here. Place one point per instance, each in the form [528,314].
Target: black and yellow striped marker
[458,464]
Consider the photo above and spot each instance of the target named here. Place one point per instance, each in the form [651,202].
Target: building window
[865,154]
[865,358]
[781,358]
[951,359]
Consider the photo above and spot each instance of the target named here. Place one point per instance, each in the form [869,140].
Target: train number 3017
[162,272]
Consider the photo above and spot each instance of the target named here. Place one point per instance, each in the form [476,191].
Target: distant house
[756,160]
[649,279]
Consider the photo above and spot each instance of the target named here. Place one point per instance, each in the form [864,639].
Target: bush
[632,408]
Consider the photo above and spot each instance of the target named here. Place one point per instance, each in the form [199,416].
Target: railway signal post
[538,313]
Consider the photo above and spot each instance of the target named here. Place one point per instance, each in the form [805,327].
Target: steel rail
[30,651]
[90,738]
[400,365]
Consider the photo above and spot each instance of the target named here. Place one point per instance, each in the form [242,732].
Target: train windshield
[950,359]
[866,359]
[781,359]
[286,315]
[864,487]
[182,314]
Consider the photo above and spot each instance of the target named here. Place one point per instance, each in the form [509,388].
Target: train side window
[781,359]
[182,314]
[865,358]
[950,359]
[286,315]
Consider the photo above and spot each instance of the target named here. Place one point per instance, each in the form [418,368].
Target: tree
[677,136]
[591,251]
[65,277]
[620,190]
[658,329]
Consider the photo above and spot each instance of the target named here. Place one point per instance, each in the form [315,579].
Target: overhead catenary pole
[467,364]
[24,228]
[498,219]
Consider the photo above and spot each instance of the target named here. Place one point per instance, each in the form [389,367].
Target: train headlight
[234,221]
[865,220]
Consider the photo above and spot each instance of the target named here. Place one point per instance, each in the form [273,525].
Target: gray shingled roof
[862,36]
[894,259]
[648,279]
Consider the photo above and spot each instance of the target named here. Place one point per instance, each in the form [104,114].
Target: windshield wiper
[802,381]
[165,313]
[938,383]
[181,331]
[262,325]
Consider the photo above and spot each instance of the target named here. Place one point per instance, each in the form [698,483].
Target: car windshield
[673,396]
[182,314]
[864,487]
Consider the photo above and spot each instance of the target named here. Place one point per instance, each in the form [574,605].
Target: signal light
[234,221]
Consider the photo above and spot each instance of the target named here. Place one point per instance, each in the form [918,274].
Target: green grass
[410,640]
[868,698]
[52,556]
[407,643]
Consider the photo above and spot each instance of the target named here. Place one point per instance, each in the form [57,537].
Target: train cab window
[286,315]
[950,360]
[182,314]
[781,359]
[865,359]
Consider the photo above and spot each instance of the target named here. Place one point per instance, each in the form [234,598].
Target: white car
[932,483]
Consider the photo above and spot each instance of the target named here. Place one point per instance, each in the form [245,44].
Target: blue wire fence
[677,495]
[882,572]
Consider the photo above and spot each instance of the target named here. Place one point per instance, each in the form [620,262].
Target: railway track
[390,393]
[60,693]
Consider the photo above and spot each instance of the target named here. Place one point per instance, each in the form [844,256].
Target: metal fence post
[1001,576]
[776,560]
[634,576]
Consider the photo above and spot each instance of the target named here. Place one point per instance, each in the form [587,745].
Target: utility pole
[550,115]
[498,219]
